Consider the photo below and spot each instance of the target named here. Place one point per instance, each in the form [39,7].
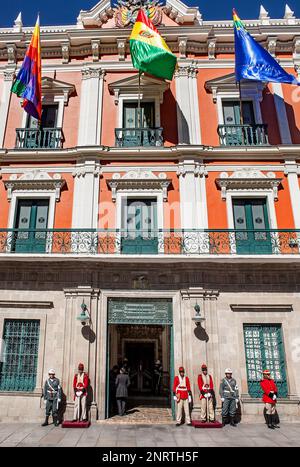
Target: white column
[282,118]
[91,101]
[291,170]
[188,118]
[5,102]
[86,195]
[192,186]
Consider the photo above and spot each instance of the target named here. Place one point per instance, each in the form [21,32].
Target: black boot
[273,423]
[46,421]
[269,422]
[232,422]
[55,420]
[223,421]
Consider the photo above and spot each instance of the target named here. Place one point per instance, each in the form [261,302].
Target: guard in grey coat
[229,394]
[122,383]
[52,397]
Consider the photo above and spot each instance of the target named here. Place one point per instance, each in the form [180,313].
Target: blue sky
[54,12]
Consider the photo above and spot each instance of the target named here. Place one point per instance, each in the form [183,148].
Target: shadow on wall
[170,114]
[295,132]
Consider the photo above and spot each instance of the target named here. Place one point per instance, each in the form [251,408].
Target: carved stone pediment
[53,87]
[149,86]
[227,84]
[248,179]
[139,180]
[36,180]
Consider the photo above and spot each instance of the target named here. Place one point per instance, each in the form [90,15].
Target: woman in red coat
[270,392]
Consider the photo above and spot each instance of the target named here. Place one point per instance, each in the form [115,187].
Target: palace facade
[111,233]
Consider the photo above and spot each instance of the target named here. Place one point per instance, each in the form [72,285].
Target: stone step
[145,414]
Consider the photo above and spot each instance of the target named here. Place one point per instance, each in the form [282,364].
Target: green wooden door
[264,349]
[139,226]
[31,214]
[236,135]
[44,138]
[251,222]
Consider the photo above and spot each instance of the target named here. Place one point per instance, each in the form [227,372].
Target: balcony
[188,243]
[133,137]
[243,135]
[35,138]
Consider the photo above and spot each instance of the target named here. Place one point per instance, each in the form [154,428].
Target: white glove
[59,401]
[78,393]
[175,398]
[274,397]
[190,399]
[222,399]
[45,401]
[207,395]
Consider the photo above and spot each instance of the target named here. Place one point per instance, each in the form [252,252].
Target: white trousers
[210,416]
[183,405]
[80,408]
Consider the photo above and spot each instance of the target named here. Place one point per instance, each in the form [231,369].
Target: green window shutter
[20,354]
[264,349]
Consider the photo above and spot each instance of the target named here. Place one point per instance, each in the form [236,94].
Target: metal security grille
[264,349]
[20,354]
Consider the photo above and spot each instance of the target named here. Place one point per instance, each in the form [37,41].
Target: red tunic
[81,386]
[202,388]
[268,385]
[180,389]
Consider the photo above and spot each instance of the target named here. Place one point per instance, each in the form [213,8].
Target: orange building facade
[140,212]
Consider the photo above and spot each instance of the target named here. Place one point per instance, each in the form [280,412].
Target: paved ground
[116,435]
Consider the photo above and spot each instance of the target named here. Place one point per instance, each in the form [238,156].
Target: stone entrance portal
[141,332]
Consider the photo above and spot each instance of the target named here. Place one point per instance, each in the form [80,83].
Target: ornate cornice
[88,73]
[36,180]
[139,180]
[248,179]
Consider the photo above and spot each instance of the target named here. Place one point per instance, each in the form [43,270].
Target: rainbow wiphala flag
[149,51]
[28,83]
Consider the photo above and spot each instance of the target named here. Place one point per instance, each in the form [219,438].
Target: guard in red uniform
[183,396]
[206,387]
[269,398]
[80,385]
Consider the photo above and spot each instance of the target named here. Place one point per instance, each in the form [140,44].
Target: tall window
[20,355]
[265,350]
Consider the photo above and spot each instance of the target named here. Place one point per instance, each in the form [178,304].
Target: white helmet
[228,370]
[51,372]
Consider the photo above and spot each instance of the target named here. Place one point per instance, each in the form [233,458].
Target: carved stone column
[86,194]
[200,342]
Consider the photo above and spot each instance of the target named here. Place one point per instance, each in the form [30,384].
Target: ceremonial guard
[270,392]
[80,385]
[52,397]
[229,394]
[206,388]
[182,396]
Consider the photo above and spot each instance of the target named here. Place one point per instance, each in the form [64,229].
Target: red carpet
[70,424]
[199,424]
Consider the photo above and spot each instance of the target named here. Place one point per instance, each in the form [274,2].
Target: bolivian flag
[149,52]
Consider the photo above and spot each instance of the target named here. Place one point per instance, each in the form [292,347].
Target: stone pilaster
[292,172]
[5,102]
[86,194]
[90,120]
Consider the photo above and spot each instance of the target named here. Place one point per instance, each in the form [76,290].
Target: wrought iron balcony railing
[132,137]
[160,242]
[35,138]
[243,135]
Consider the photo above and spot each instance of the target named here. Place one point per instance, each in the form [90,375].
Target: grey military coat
[122,383]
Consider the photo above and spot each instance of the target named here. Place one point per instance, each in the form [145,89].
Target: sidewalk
[116,435]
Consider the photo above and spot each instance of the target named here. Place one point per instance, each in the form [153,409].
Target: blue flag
[252,61]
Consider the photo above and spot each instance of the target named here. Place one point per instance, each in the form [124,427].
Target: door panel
[139,224]
[251,215]
[31,215]
[232,116]
[133,137]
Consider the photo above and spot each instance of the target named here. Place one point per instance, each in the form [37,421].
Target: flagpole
[139,101]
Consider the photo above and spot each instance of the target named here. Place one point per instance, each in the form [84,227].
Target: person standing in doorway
[122,384]
[183,397]
[113,373]
[52,397]
[270,392]
[80,385]
[206,387]
[157,377]
[229,394]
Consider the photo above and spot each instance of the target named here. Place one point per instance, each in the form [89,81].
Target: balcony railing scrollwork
[160,242]
[39,138]
[134,137]
[243,135]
